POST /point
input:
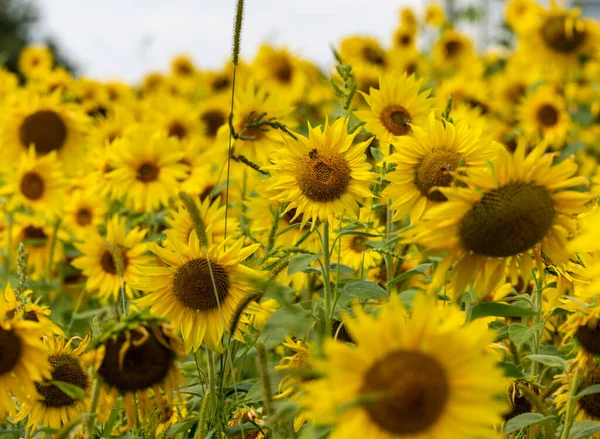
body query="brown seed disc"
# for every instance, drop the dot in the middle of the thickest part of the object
(147, 172)
(67, 369)
(589, 338)
(555, 34)
(32, 185)
(590, 404)
(396, 119)
(10, 350)
(84, 216)
(213, 120)
(45, 129)
(435, 171)
(324, 177)
(177, 129)
(108, 264)
(35, 234)
(373, 55)
(548, 115)
(193, 285)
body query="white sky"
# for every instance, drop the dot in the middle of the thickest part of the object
(124, 39)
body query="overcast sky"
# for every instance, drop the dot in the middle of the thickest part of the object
(124, 39)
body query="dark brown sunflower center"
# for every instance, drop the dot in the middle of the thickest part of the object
(67, 369)
(410, 391)
(252, 133)
(213, 120)
(147, 172)
(435, 171)
(548, 115)
(144, 365)
(108, 264)
(515, 92)
(193, 285)
(177, 129)
(206, 192)
(340, 332)
(45, 129)
(518, 405)
(373, 55)
(84, 216)
(221, 83)
(35, 234)
(590, 404)
(396, 120)
(10, 350)
(588, 337)
(508, 220)
(358, 244)
(283, 71)
(405, 40)
(32, 185)
(324, 177)
(453, 48)
(561, 38)
(184, 68)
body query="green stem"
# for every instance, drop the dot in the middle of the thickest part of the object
(326, 279)
(52, 246)
(570, 405)
(7, 261)
(212, 379)
(90, 424)
(537, 318)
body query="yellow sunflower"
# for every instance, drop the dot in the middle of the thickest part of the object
(452, 51)
(352, 251)
(396, 107)
(434, 15)
(501, 217)
(424, 377)
(173, 114)
(84, 211)
(146, 167)
(105, 130)
(428, 160)
(587, 408)
(280, 71)
(404, 39)
(213, 113)
(543, 115)
(98, 262)
(30, 310)
(323, 175)
(182, 290)
(52, 407)
(35, 61)
(363, 50)
(522, 14)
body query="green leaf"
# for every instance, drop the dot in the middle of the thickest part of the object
(588, 391)
(549, 360)
(510, 370)
(525, 420)
(376, 153)
(181, 427)
(287, 320)
(302, 263)
(363, 289)
(70, 390)
(419, 269)
(520, 333)
(582, 116)
(583, 429)
(242, 428)
(499, 310)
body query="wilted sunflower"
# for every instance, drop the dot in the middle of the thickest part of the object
(137, 359)
(35, 61)
(544, 116)
(182, 290)
(396, 107)
(323, 175)
(98, 262)
(427, 376)
(428, 160)
(52, 407)
(501, 217)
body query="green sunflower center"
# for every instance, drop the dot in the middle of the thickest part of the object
(590, 404)
(193, 285)
(396, 119)
(324, 177)
(32, 185)
(45, 129)
(213, 120)
(548, 115)
(508, 220)
(588, 337)
(435, 170)
(560, 39)
(108, 264)
(409, 390)
(177, 129)
(10, 350)
(67, 369)
(36, 235)
(144, 364)
(147, 172)
(84, 216)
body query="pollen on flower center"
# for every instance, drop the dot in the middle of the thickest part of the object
(508, 220)
(10, 350)
(323, 176)
(32, 185)
(409, 390)
(396, 119)
(556, 35)
(548, 115)
(45, 129)
(193, 284)
(147, 172)
(67, 369)
(435, 170)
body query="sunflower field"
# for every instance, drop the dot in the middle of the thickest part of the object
(402, 245)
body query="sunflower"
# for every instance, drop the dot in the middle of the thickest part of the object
(51, 406)
(24, 358)
(323, 175)
(587, 408)
(173, 114)
(31, 311)
(363, 50)
(146, 167)
(137, 359)
(544, 116)
(501, 217)
(396, 107)
(434, 15)
(522, 14)
(213, 113)
(37, 183)
(84, 211)
(280, 71)
(452, 51)
(428, 160)
(199, 167)
(98, 261)
(182, 290)
(35, 61)
(405, 39)
(105, 130)
(352, 249)
(583, 326)
(426, 377)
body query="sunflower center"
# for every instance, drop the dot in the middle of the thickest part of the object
(396, 119)
(453, 48)
(283, 71)
(590, 404)
(548, 115)
(508, 220)
(143, 365)
(193, 285)
(84, 216)
(518, 405)
(36, 234)
(410, 390)
(358, 244)
(405, 40)
(588, 337)
(435, 170)
(108, 264)
(324, 177)
(10, 350)
(67, 369)
(221, 83)
(32, 185)
(45, 129)
(147, 172)
(556, 35)
(213, 120)
(373, 55)
(177, 129)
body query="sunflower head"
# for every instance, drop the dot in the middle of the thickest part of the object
(35, 61)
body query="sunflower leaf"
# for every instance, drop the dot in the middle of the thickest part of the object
(70, 390)
(588, 391)
(526, 419)
(549, 360)
(582, 429)
(363, 289)
(499, 310)
(302, 263)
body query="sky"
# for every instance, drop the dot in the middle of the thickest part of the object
(125, 39)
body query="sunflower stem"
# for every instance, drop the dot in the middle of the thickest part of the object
(194, 212)
(90, 423)
(537, 318)
(212, 379)
(262, 363)
(571, 402)
(326, 279)
(7, 261)
(52, 247)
